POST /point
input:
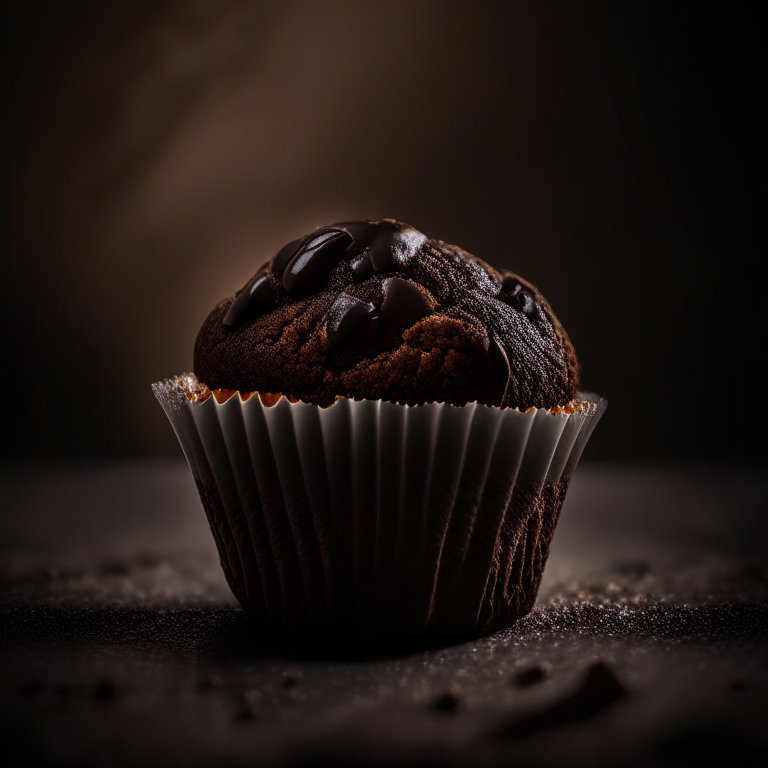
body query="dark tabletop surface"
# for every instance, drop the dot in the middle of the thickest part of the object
(122, 646)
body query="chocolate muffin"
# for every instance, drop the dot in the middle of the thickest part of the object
(382, 429)
(375, 310)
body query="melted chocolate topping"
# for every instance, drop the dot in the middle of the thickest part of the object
(376, 310)
(258, 297)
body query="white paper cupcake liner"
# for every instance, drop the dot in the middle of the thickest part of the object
(430, 519)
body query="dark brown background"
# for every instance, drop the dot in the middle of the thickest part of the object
(158, 152)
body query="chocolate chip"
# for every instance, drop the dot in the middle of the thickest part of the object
(391, 248)
(512, 292)
(310, 266)
(345, 316)
(362, 265)
(251, 302)
(527, 304)
(361, 232)
(284, 255)
(403, 300)
(510, 286)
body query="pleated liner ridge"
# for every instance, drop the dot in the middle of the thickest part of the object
(374, 516)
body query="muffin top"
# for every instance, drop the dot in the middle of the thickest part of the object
(376, 310)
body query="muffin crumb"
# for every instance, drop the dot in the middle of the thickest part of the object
(448, 700)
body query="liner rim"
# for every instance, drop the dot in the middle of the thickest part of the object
(174, 391)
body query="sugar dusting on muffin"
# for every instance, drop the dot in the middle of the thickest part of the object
(376, 310)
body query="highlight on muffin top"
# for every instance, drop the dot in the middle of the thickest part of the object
(376, 310)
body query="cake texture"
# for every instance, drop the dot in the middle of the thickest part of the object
(375, 310)
(382, 429)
